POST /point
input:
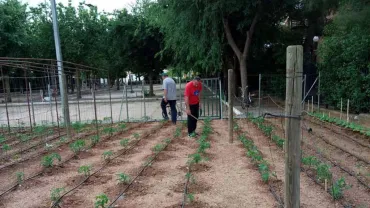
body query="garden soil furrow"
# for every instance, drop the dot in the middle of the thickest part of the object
(341, 142)
(164, 180)
(30, 165)
(37, 190)
(359, 194)
(228, 169)
(357, 137)
(312, 195)
(106, 180)
(349, 162)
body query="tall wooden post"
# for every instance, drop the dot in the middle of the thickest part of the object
(341, 108)
(348, 111)
(294, 67)
(230, 100)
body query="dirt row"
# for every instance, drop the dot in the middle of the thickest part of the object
(36, 191)
(227, 179)
(345, 164)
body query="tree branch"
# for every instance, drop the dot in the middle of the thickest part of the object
(250, 32)
(230, 38)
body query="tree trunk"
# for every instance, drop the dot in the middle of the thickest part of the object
(117, 81)
(151, 89)
(78, 85)
(242, 56)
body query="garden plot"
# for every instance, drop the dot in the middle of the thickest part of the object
(157, 165)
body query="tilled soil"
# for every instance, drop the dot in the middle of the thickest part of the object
(312, 195)
(36, 192)
(312, 145)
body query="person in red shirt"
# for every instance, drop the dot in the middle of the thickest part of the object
(192, 98)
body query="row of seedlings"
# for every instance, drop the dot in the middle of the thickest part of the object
(125, 179)
(196, 158)
(257, 159)
(57, 194)
(342, 123)
(76, 145)
(319, 168)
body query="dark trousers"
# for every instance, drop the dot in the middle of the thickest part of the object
(192, 122)
(173, 109)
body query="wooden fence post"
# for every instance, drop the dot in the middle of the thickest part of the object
(230, 100)
(293, 108)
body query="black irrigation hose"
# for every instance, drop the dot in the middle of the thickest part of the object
(106, 163)
(139, 174)
(186, 188)
(348, 137)
(42, 171)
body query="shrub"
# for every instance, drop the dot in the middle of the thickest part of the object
(48, 160)
(123, 178)
(20, 177)
(85, 169)
(55, 194)
(124, 142)
(107, 155)
(101, 201)
(94, 140)
(77, 146)
(338, 188)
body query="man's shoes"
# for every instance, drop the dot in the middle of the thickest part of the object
(193, 135)
(165, 118)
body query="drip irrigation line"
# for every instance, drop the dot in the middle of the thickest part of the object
(186, 188)
(141, 171)
(107, 162)
(344, 129)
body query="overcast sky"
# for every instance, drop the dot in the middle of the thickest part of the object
(106, 5)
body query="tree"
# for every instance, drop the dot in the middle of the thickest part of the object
(344, 56)
(197, 31)
(13, 35)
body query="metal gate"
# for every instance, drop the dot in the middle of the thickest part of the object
(211, 98)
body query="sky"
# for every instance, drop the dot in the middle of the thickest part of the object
(106, 5)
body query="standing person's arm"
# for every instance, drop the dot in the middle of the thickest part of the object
(165, 91)
(186, 98)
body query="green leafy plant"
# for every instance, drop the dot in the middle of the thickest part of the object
(101, 200)
(78, 126)
(107, 155)
(338, 187)
(310, 161)
(190, 197)
(123, 126)
(195, 158)
(124, 142)
(178, 132)
(167, 141)
(109, 130)
(48, 160)
(123, 178)
(158, 147)
(203, 146)
(77, 146)
(20, 177)
(55, 195)
(323, 172)
(6, 148)
(190, 177)
(136, 135)
(94, 140)
(264, 170)
(85, 169)
(2, 139)
(279, 141)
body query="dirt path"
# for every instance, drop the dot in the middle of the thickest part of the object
(312, 195)
(358, 194)
(230, 179)
(162, 184)
(36, 192)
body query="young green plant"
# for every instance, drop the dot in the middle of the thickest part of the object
(101, 201)
(85, 169)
